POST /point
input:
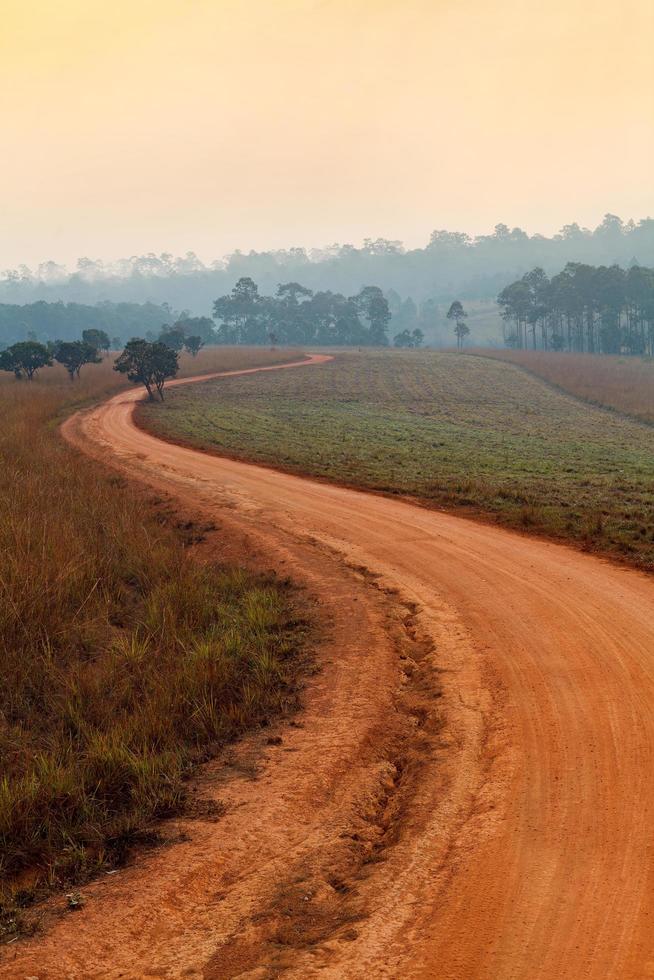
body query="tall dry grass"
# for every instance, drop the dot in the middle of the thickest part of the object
(122, 660)
(625, 384)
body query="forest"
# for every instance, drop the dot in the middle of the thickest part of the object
(450, 264)
(67, 321)
(296, 315)
(584, 308)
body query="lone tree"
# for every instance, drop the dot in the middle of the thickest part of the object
(459, 315)
(149, 364)
(97, 339)
(25, 358)
(193, 345)
(75, 354)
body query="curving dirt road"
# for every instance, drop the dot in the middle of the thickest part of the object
(480, 809)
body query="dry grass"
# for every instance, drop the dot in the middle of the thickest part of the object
(123, 660)
(625, 384)
(100, 380)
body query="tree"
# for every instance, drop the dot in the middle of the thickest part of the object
(461, 330)
(197, 326)
(75, 354)
(98, 339)
(459, 315)
(245, 315)
(173, 337)
(193, 345)
(409, 338)
(149, 364)
(25, 358)
(291, 313)
(7, 363)
(515, 304)
(372, 303)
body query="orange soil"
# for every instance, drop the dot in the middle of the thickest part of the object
(469, 792)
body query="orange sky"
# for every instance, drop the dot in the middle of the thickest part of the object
(138, 125)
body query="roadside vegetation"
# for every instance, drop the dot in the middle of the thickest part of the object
(123, 660)
(455, 431)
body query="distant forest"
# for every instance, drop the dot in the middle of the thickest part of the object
(586, 307)
(66, 321)
(604, 310)
(451, 264)
(296, 315)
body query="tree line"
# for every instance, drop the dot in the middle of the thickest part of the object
(26, 357)
(294, 315)
(150, 363)
(65, 321)
(584, 308)
(297, 315)
(450, 263)
(145, 362)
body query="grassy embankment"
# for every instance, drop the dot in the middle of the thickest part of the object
(122, 660)
(455, 431)
(625, 384)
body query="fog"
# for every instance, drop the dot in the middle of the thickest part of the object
(451, 265)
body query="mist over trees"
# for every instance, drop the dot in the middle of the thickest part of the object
(69, 321)
(324, 296)
(450, 264)
(603, 310)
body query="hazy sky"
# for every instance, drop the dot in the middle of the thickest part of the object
(152, 125)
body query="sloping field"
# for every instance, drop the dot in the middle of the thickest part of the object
(455, 431)
(625, 384)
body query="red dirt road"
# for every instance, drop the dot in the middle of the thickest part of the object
(518, 832)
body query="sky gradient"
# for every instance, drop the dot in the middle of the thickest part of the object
(168, 125)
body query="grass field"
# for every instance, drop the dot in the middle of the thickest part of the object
(123, 660)
(625, 384)
(453, 430)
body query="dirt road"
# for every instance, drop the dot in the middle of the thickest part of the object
(482, 809)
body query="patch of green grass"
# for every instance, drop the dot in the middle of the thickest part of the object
(455, 431)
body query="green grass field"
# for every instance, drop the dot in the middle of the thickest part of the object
(455, 431)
